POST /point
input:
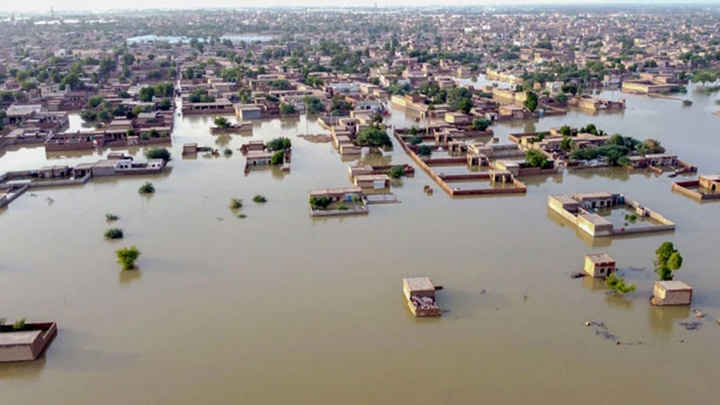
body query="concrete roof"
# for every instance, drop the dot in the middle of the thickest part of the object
(674, 285)
(600, 257)
(19, 338)
(419, 284)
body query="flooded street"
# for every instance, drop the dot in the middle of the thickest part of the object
(281, 308)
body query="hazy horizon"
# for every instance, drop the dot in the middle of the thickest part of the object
(87, 5)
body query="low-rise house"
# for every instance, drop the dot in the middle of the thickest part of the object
(579, 210)
(346, 194)
(457, 118)
(190, 148)
(258, 158)
(655, 159)
(253, 146)
(673, 292)
(419, 293)
(26, 344)
(591, 103)
(373, 181)
(599, 264)
(219, 106)
(710, 182)
(248, 111)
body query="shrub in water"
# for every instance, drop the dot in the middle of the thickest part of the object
(147, 188)
(114, 233)
(127, 257)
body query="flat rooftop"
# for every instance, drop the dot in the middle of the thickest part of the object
(600, 257)
(564, 199)
(19, 338)
(674, 285)
(419, 284)
(590, 196)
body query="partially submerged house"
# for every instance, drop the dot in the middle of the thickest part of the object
(672, 292)
(599, 264)
(584, 210)
(373, 181)
(420, 295)
(27, 343)
(706, 187)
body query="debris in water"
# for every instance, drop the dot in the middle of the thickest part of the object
(577, 274)
(697, 312)
(602, 330)
(691, 325)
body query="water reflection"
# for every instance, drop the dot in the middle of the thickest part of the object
(222, 140)
(663, 319)
(583, 236)
(594, 284)
(126, 277)
(536, 181)
(26, 370)
(621, 301)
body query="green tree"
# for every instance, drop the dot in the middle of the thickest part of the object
(279, 144)
(566, 143)
(313, 105)
(278, 158)
(373, 136)
(480, 124)
(424, 150)
(535, 158)
(667, 261)
(236, 203)
(94, 101)
(531, 101)
(158, 153)
(114, 233)
(147, 188)
(221, 122)
(287, 109)
(19, 324)
(704, 76)
(245, 96)
(396, 172)
(460, 99)
(126, 257)
(565, 130)
(321, 202)
(618, 284)
(146, 94)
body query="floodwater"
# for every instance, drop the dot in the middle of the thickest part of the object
(279, 308)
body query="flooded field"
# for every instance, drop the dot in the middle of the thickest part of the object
(279, 308)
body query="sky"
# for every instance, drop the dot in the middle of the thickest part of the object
(99, 5)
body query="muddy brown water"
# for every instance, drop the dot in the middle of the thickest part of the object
(280, 308)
